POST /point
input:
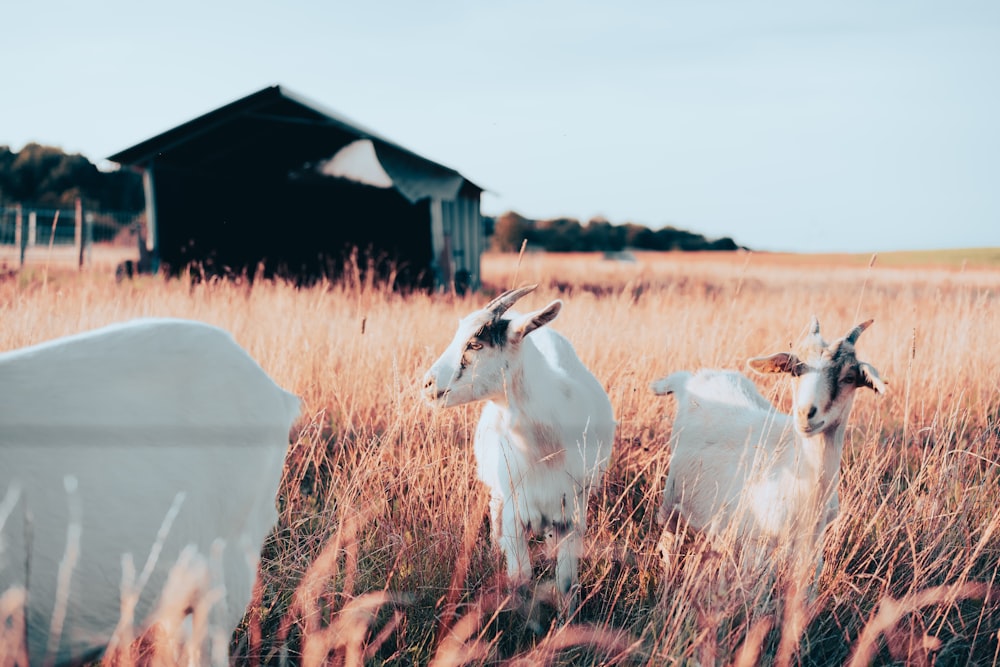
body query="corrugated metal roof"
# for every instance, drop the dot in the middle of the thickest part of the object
(273, 129)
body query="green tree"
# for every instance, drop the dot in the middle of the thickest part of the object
(7, 157)
(558, 235)
(598, 235)
(639, 237)
(46, 176)
(509, 232)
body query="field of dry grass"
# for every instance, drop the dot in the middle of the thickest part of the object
(382, 553)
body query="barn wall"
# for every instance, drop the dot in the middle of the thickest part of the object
(302, 228)
(458, 241)
(462, 216)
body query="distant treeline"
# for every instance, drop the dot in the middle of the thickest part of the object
(46, 176)
(510, 230)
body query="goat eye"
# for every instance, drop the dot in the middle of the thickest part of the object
(850, 378)
(474, 345)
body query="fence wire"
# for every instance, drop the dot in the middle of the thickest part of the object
(30, 235)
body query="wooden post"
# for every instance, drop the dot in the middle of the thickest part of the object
(440, 250)
(152, 226)
(78, 228)
(19, 233)
(32, 227)
(88, 236)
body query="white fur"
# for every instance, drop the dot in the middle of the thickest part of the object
(111, 437)
(741, 468)
(544, 437)
(722, 431)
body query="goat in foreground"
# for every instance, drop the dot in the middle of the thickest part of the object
(741, 468)
(140, 464)
(545, 434)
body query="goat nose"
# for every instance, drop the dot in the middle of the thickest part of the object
(809, 412)
(428, 381)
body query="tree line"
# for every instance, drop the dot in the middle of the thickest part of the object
(46, 177)
(510, 230)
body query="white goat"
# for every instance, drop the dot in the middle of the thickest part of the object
(545, 435)
(740, 467)
(156, 443)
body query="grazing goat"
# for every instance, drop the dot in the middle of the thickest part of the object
(545, 435)
(132, 454)
(740, 467)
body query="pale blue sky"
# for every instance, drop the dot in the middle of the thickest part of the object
(859, 125)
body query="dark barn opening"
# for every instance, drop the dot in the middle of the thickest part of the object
(274, 184)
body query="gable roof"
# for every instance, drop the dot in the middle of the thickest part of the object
(277, 130)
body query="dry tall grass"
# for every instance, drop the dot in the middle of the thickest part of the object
(382, 552)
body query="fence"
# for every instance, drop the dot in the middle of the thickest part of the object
(69, 236)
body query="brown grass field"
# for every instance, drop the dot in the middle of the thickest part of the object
(382, 552)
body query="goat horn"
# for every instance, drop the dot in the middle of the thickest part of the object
(502, 303)
(814, 326)
(852, 337)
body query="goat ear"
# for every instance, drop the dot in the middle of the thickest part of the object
(782, 362)
(869, 378)
(525, 324)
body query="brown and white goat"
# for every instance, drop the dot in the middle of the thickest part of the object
(741, 468)
(545, 434)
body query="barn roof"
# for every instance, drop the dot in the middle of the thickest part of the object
(278, 130)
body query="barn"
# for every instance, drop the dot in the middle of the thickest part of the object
(274, 183)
